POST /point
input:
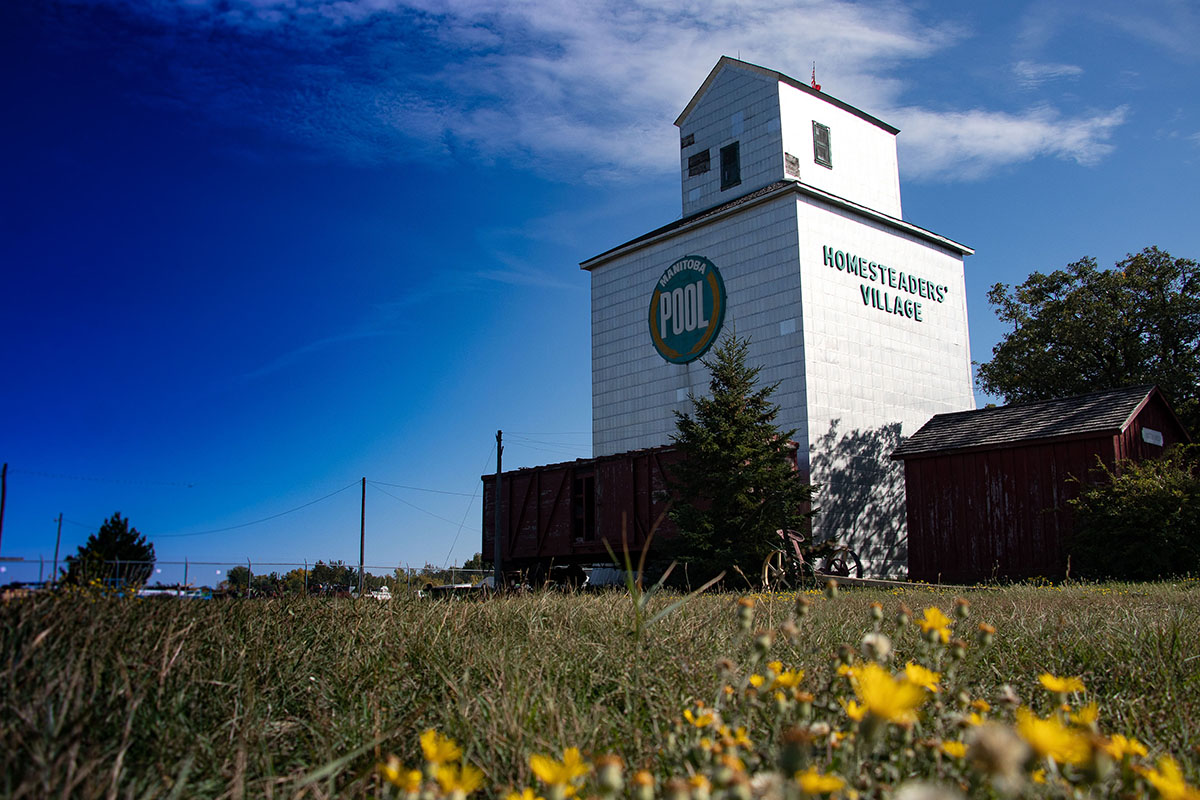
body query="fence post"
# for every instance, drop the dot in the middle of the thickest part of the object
(306, 577)
(249, 576)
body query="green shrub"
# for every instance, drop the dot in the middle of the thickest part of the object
(1141, 521)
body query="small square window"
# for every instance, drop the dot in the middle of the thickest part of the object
(698, 164)
(687, 141)
(731, 166)
(791, 165)
(822, 149)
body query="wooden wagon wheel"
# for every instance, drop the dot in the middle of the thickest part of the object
(842, 562)
(779, 572)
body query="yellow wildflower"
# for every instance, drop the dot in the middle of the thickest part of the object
(853, 710)
(813, 782)
(954, 749)
(560, 773)
(1050, 738)
(394, 773)
(700, 720)
(981, 705)
(1168, 780)
(1119, 747)
(935, 620)
(1061, 685)
(775, 666)
(788, 679)
(1039, 775)
(886, 697)
(453, 778)
(1087, 715)
(974, 719)
(734, 738)
(528, 794)
(757, 681)
(920, 676)
(846, 671)
(439, 749)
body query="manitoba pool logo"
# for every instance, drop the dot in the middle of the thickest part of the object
(686, 309)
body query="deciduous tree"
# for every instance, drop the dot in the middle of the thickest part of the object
(1084, 329)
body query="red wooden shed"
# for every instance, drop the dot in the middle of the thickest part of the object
(987, 490)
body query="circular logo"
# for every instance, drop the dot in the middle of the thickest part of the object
(686, 309)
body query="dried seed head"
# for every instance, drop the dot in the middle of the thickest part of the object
(831, 589)
(962, 608)
(876, 647)
(876, 611)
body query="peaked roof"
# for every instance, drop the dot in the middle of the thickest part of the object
(1107, 412)
(778, 76)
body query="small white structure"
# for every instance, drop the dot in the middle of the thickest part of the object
(792, 235)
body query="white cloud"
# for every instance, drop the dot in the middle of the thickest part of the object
(577, 88)
(967, 145)
(1031, 74)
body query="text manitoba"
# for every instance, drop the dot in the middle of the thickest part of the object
(680, 265)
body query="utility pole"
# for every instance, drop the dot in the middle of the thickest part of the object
(57, 540)
(3, 496)
(497, 572)
(362, 536)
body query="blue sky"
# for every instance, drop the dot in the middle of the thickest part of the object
(255, 250)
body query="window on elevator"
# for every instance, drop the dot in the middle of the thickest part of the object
(731, 166)
(822, 150)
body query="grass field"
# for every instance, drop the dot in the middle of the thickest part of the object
(264, 698)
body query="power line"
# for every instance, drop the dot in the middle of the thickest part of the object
(486, 461)
(417, 507)
(418, 488)
(257, 521)
(103, 480)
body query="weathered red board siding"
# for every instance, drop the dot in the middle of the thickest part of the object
(538, 508)
(1002, 513)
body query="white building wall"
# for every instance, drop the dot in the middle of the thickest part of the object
(865, 168)
(873, 376)
(634, 389)
(739, 106)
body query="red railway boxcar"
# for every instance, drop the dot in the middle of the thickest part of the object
(987, 490)
(564, 513)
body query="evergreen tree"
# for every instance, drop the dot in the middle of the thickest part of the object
(737, 483)
(116, 552)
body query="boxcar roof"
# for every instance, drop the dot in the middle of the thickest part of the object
(1107, 412)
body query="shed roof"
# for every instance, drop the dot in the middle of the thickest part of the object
(1004, 426)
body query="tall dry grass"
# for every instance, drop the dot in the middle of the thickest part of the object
(302, 697)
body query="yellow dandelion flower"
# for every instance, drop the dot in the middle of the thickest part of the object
(1061, 685)
(920, 676)
(981, 705)
(395, 773)
(464, 779)
(757, 681)
(1087, 715)
(974, 719)
(954, 749)
(888, 698)
(699, 782)
(935, 620)
(1168, 780)
(1118, 747)
(789, 679)
(853, 710)
(1052, 739)
(775, 666)
(527, 794)
(813, 782)
(846, 671)
(560, 773)
(700, 720)
(1039, 775)
(733, 762)
(439, 749)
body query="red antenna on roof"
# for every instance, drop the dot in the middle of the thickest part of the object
(815, 85)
